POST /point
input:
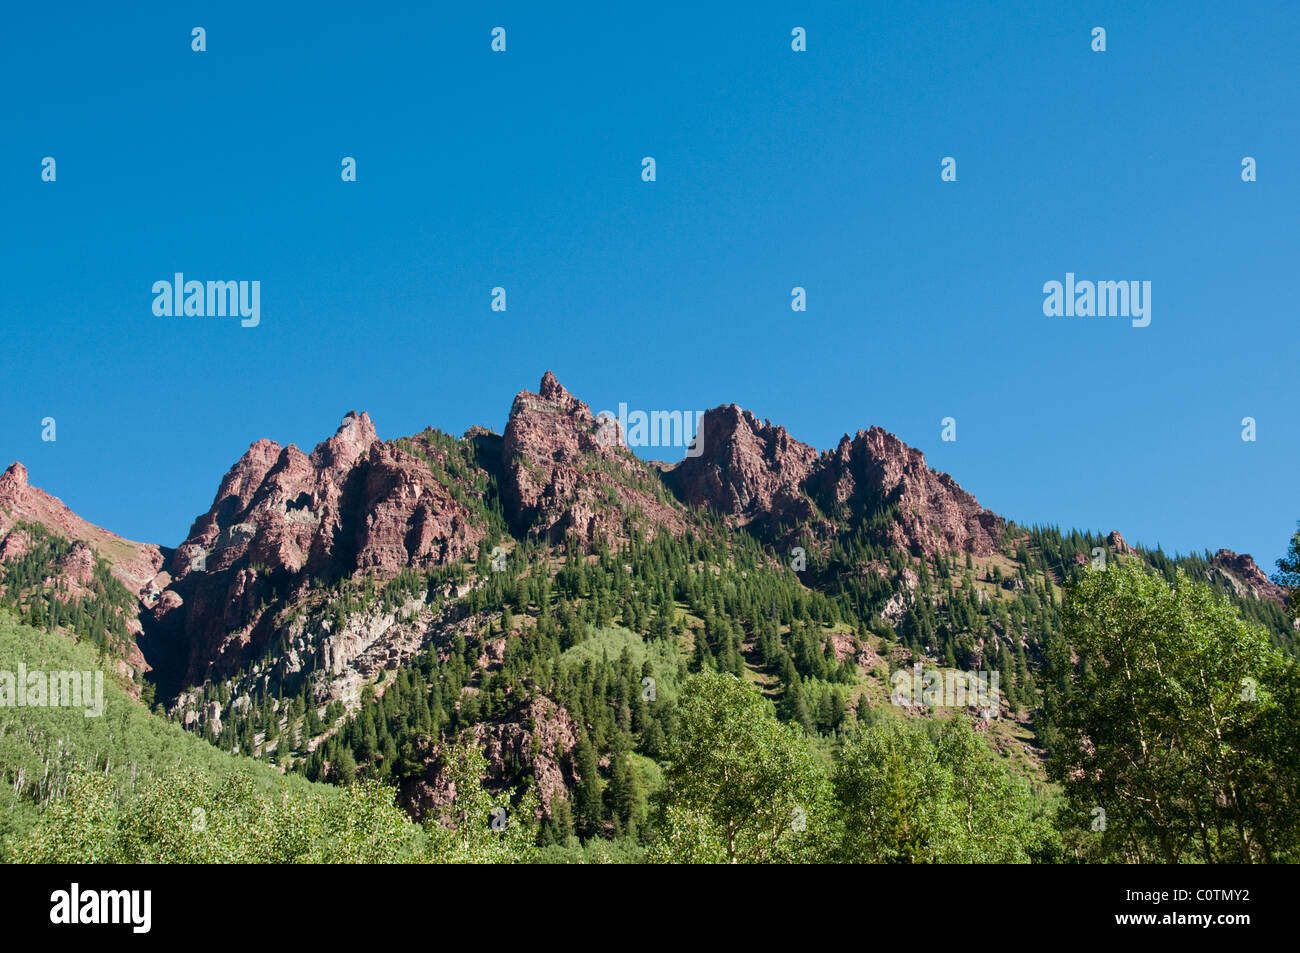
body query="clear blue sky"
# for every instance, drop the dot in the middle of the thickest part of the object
(775, 169)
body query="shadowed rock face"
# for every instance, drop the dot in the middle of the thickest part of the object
(282, 518)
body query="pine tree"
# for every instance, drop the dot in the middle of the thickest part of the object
(588, 808)
(1288, 574)
(345, 766)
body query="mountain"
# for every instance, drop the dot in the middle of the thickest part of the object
(560, 479)
(283, 521)
(61, 568)
(758, 476)
(136, 564)
(345, 612)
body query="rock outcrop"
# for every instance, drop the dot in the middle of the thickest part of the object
(282, 520)
(1240, 572)
(535, 740)
(750, 471)
(877, 474)
(566, 477)
(756, 474)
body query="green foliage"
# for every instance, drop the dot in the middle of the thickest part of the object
(42, 749)
(192, 818)
(624, 850)
(1178, 720)
(478, 827)
(740, 787)
(98, 614)
(1288, 574)
(113, 789)
(189, 817)
(909, 794)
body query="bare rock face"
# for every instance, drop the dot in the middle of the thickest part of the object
(282, 518)
(79, 564)
(1115, 543)
(532, 736)
(528, 740)
(341, 657)
(15, 545)
(278, 507)
(1245, 577)
(756, 474)
(932, 514)
(408, 518)
(749, 471)
(562, 479)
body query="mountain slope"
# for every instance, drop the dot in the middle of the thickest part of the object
(56, 565)
(345, 612)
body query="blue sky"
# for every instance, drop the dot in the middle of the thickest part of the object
(774, 169)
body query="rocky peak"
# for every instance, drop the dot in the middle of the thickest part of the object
(354, 438)
(746, 469)
(890, 462)
(551, 389)
(876, 471)
(1116, 544)
(135, 564)
(12, 484)
(564, 476)
(282, 519)
(1244, 576)
(13, 480)
(551, 397)
(242, 480)
(757, 474)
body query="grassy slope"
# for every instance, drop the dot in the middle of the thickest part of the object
(41, 747)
